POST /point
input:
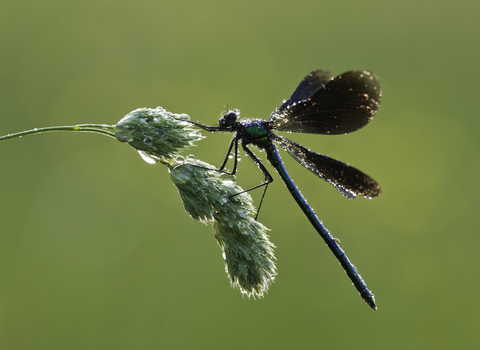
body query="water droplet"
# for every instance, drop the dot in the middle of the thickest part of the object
(147, 158)
(242, 213)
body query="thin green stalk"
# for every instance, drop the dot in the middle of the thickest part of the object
(108, 130)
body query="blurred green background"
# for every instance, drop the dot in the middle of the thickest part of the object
(96, 251)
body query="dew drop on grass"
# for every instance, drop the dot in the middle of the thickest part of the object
(147, 158)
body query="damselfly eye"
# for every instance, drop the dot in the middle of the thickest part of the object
(228, 119)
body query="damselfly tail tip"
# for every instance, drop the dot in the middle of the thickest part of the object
(371, 302)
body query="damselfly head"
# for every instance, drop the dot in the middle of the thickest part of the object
(229, 118)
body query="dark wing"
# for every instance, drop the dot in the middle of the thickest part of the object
(343, 104)
(309, 85)
(346, 179)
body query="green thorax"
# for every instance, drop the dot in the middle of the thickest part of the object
(257, 132)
